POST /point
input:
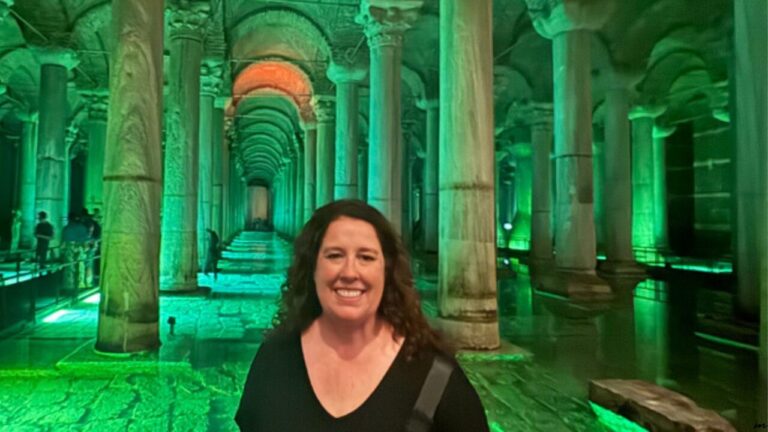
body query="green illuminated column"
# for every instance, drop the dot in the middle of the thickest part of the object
(571, 29)
(217, 140)
(128, 312)
(643, 169)
(384, 28)
(362, 169)
(347, 79)
(541, 185)
(598, 183)
(210, 84)
(521, 225)
(429, 222)
(467, 260)
(660, 226)
(751, 185)
(227, 197)
(28, 179)
(620, 259)
(97, 137)
(324, 111)
(73, 147)
(178, 260)
(310, 165)
(298, 214)
(52, 160)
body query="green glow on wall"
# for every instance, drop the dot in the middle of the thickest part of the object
(495, 427)
(614, 421)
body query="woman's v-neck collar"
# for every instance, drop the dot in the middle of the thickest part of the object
(387, 376)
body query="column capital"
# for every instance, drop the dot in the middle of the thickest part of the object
(426, 104)
(28, 116)
(662, 131)
(50, 55)
(5, 8)
(98, 104)
(188, 19)
(552, 17)
(211, 78)
(541, 116)
(307, 125)
(325, 108)
(385, 21)
(346, 73)
(646, 111)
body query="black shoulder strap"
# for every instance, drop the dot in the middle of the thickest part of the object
(431, 393)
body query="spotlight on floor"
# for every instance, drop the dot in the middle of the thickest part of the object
(94, 299)
(56, 315)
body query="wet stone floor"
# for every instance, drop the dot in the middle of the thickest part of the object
(50, 379)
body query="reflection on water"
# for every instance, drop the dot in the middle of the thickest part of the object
(649, 331)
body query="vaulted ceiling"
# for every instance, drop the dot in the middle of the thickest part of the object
(275, 54)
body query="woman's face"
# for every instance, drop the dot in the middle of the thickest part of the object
(349, 274)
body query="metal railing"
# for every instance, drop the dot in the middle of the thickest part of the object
(32, 290)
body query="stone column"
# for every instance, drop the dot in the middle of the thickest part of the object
(541, 186)
(362, 170)
(467, 261)
(310, 165)
(429, 223)
(298, 216)
(521, 225)
(324, 110)
(347, 79)
(210, 85)
(28, 179)
(178, 260)
(97, 137)
(52, 160)
(619, 257)
(128, 312)
(751, 185)
(217, 141)
(570, 29)
(643, 168)
(384, 28)
(660, 228)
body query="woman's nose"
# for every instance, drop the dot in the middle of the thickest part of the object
(349, 269)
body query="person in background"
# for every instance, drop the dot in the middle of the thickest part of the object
(351, 349)
(212, 255)
(44, 235)
(15, 230)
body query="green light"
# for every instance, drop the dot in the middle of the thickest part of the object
(94, 299)
(614, 421)
(717, 268)
(495, 427)
(56, 315)
(726, 342)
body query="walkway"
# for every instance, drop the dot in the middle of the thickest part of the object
(51, 381)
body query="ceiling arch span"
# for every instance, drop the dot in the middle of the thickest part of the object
(282, 32)
(283, 78)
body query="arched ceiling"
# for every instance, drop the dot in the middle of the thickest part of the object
(276, 53)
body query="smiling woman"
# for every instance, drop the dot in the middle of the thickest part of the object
(351, 349)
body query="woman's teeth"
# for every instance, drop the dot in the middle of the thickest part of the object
(349, 293)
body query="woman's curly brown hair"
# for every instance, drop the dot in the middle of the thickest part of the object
(299, 305)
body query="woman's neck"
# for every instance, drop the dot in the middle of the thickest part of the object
(348, 340)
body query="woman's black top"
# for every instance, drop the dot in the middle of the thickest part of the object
(279, 397)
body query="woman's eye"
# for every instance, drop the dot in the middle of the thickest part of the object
(333, 256)
(369, 258)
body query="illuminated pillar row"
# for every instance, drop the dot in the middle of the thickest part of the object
(324, 170)
(179, 257)
(52, 160)
(298, 210)
(617, 198)
(97, 137)
(521, 224)
(210, 82)
(362, 170)
(310, 166)
(28, 179)
(128, 312)
(467, 261)
(541, 186)
(384, 30)
(643, 168)
(429, 220)
(226, 190)
(347, 79)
